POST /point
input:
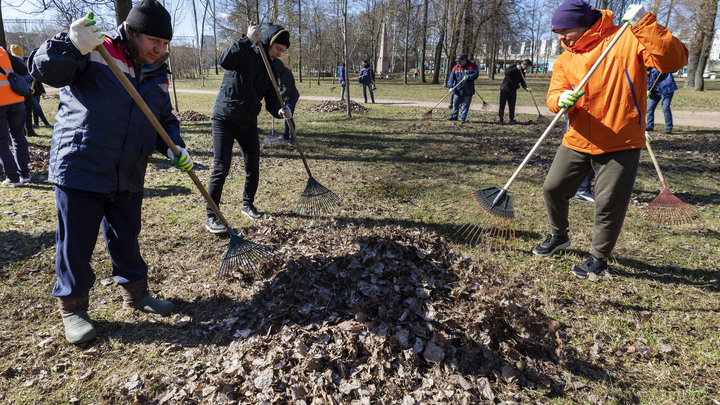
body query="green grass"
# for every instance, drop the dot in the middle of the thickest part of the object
(388, 166)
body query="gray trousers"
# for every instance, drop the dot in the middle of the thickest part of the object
(615, 176)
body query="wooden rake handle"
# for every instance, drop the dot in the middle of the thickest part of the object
(563, 110)
(158, 127)
(446, 94)
(654, 160)
(282, 104)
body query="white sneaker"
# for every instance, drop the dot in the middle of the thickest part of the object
(9, 183)
(27, 179)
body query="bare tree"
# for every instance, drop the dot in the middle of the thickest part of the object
(700, 44)
(345, 57)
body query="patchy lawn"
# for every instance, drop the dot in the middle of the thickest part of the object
(380, 301)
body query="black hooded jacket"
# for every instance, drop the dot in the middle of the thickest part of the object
(513, 79)
(246, 81)
(288, 90)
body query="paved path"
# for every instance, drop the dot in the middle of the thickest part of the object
(705, 119)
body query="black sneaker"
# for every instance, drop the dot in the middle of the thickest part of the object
(591, 265)
(551, 244)
(501, 122)
(251, 212)
(452, 119)
(512, 122)
(214, 225)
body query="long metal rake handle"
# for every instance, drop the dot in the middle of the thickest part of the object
(522, 77)
(654, 160)
(559, 114)
(158, 127)
(282, 104)
(446, 94)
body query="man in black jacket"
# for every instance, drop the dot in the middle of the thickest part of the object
(234, 117)
(514, 78)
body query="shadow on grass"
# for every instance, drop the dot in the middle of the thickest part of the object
(666, 274)
(18, 246)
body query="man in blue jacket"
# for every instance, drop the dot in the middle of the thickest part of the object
(367, 79)
(661, 87)
(100, 148)
(463, 76)
(342, 75)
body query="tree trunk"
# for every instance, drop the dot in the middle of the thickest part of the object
(217, 72)
(345, 58)
(407, 41)
(3, 41)
(424, 41)
(468, 27)
(700, 45)
(122, 9)
(300, 40)
(439, 46)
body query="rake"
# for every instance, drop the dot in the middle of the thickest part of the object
(522, 76)
(428, 114)
(666, 208)
(485, 105)
(315, 199)
(242, 253)
(496, 219)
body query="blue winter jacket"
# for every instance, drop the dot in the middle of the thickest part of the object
(665, 84)
(101, 140)
(367, 75)
(341, 74)
(466, 88)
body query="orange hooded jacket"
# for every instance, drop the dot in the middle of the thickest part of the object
(611, 114)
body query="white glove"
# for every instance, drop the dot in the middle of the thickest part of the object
(528, 89)
(568, 98)
(84, 34)
(253, 33)
(285, 112)
(633, 14)
(450, 90)
(183, 162)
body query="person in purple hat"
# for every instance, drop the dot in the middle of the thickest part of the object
(605, 128)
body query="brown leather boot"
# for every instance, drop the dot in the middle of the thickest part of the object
(135, 295)
(78, 327)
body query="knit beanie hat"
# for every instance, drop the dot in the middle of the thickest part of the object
(282, 38)
(15, 50)
(574, 14)
(150, 18)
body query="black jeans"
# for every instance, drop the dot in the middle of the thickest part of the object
(224, 134)
(509, 97)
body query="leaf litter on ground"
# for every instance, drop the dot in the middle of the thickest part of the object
(393, 312)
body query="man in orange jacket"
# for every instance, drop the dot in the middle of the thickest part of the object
(605, 121)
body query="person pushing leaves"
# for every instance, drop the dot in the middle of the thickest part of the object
(100, 148)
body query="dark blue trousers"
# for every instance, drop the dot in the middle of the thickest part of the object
(79, 216)
(12, 120)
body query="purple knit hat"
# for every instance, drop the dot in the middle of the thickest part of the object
(574, 14)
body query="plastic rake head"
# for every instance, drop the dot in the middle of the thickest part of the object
(244, 255)
(316, 199)
(669, 210)
(493, 225)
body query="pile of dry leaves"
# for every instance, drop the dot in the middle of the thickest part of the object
(394, 314)
(191, 116)
(39, 158)
(337, 106)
